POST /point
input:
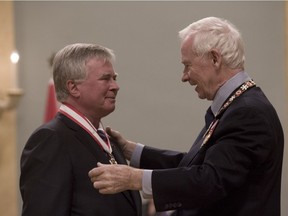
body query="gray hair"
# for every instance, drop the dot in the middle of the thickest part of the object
(216, 33)
(70, 64)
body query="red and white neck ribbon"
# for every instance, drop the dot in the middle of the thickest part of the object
(84, 122)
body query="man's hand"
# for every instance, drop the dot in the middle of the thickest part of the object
(111, 179)
(126, 146)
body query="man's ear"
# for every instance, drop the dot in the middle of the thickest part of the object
(72, 88)
(215, 57)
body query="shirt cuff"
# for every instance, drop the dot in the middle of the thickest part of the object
(136, 155)
(147, 174)
(146, 184)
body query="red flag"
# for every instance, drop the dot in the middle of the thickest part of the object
(51, 102)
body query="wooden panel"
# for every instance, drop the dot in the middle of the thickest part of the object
(8, 153)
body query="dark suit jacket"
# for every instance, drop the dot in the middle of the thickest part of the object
(237, 173)
(54, 174)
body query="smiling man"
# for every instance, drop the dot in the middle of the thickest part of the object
(234, 166)
(59, 154)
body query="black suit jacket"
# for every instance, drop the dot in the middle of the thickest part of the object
(54, 174)
(237, 173)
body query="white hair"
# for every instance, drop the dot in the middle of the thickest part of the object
(216, 33)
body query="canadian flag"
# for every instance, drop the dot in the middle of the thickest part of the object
(52, 104)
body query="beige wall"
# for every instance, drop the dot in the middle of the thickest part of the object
(144, 37)
(285, 163)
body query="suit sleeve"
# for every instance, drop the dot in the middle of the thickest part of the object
(160, 159)
(241, 142)
(46, 179)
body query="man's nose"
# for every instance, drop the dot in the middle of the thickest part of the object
(115, 85)
(185, 77)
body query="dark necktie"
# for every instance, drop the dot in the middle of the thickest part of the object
(111, 156)
(101, 133)
(209, 117)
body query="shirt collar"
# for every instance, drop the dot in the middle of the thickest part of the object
(225, 90)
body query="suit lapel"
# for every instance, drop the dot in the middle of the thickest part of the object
(188, 158)
(85, 139)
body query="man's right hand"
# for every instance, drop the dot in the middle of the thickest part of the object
(126, 146)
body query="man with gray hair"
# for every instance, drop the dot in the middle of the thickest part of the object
(59, 154)
(234, 166)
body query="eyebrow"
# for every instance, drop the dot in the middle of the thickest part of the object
(109, 75)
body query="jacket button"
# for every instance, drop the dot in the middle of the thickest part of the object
(179, 205)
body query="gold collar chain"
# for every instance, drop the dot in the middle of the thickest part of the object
(244, 87)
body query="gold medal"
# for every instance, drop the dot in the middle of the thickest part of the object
(112, 159)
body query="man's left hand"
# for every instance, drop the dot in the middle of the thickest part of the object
(111, 179)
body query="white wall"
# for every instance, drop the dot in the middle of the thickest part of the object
(153, 105)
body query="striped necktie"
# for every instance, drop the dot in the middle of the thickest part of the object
(101, 133)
